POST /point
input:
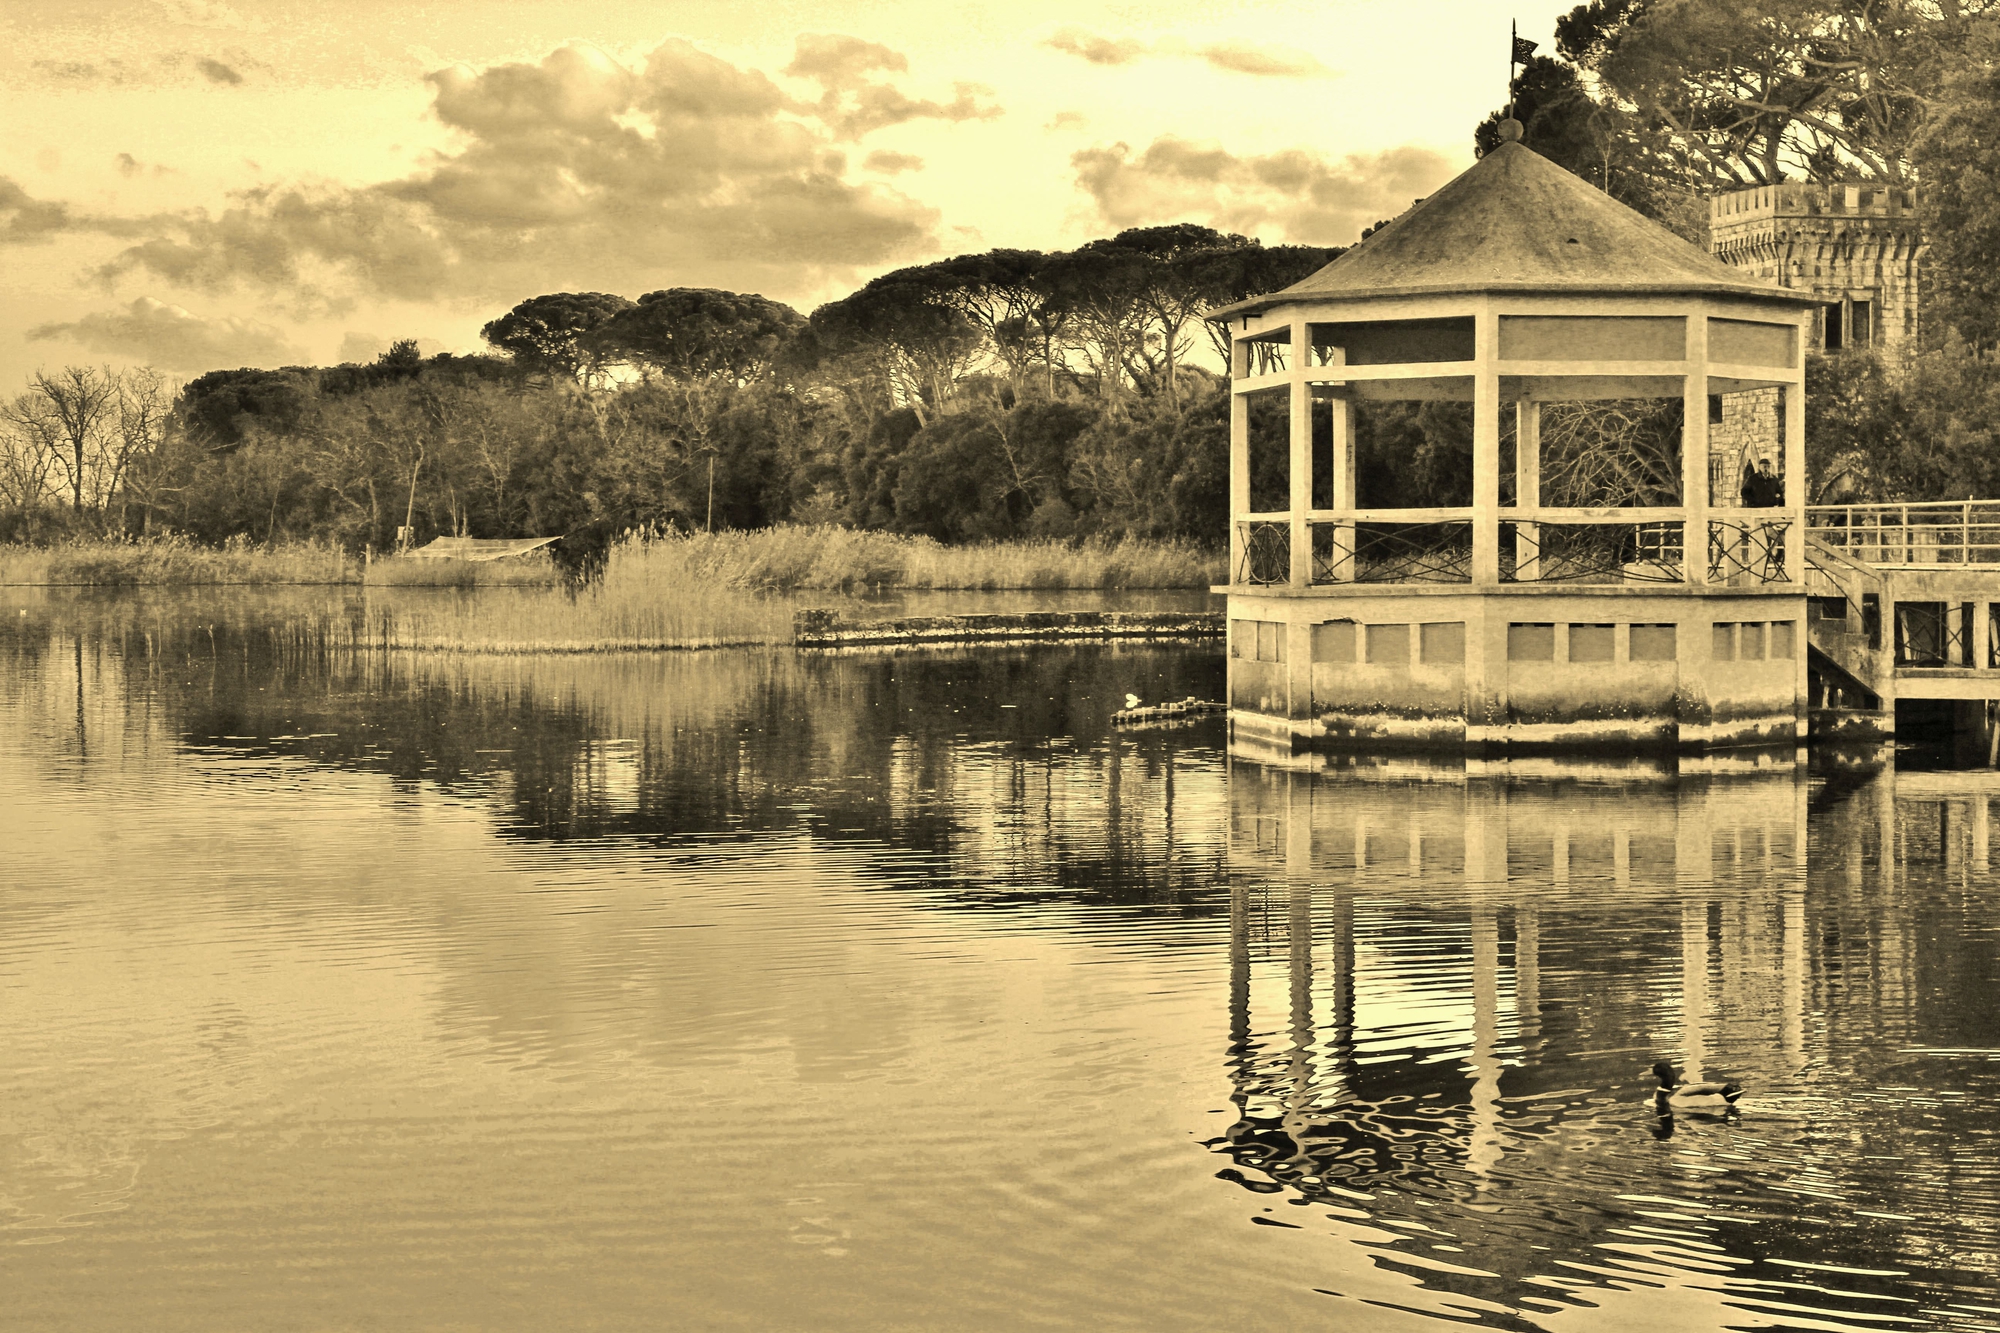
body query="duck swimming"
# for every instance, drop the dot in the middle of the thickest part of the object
(1673, 1095)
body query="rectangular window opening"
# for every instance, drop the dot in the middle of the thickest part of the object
(1724, 649)
(1784, 640)
(1921, 634)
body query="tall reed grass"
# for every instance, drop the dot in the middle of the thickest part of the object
(787, 558)
(700, 591)
(783, 558)
(533, 570)
(637, 603)
(174, 560)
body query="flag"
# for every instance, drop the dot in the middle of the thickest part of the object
(1524, 50)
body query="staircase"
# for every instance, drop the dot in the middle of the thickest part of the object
(1850, 663)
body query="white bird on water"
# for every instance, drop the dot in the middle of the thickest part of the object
(1131, 701)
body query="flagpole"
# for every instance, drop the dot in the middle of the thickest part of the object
(1513, 45)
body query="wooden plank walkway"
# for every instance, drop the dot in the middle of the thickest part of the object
(820, 627)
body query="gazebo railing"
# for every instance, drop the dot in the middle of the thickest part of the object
(1595, 552)
(1745, 550)
(1266, 552)
(1945, 532)
(1573, 546)
(1430, 552)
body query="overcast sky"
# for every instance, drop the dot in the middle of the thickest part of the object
(197, 184)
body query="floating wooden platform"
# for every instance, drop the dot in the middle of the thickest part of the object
(821, 627)
(1186, 710)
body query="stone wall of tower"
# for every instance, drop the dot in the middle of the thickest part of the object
(1846, 244)
(1855, 247)
(1751, 426)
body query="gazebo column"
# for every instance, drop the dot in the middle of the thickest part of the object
(1795, 483)
(1486, 448)
(1239, 455)
(1694, 454)
(1300, 469)
(1345, 502)
(1527, 488)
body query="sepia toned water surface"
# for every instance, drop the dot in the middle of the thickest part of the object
(875, 990)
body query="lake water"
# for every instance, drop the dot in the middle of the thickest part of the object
(756, 990)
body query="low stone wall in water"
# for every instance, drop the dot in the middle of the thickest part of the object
(822, 627)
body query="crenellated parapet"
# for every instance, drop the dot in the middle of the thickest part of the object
(1855, 246)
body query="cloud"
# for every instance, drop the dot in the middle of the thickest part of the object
(216, 72)
(1232, 57)
(853, 105)
(1262, 62)
(207, 14)
(130, 166)
(889, 163)
(84, 71)
(172, 338)
(1305, 197)
(838, 61)
(226, 70)
(1066, 120)
(25, 219)
(1097, 50)
(578, 172)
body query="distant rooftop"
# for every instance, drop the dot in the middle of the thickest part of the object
(479, 548)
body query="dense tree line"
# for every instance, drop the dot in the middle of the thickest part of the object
(989, 395)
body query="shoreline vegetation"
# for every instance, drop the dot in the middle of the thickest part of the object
(653, 593)
(785, 558)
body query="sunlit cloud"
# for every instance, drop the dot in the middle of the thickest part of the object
(890, 163)
(173, 338)
(216, 72)
(581, 172)
(1297, 196)
(1233, 57)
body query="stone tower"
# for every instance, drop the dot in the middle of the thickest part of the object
(1854, 247)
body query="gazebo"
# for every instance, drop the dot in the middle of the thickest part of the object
(1526, 611)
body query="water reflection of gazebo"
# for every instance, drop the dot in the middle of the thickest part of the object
(1724, 857)
(1359, 619)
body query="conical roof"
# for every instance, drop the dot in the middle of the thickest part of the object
(1516, 222)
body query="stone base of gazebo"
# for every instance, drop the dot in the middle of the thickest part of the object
(1517, 669)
